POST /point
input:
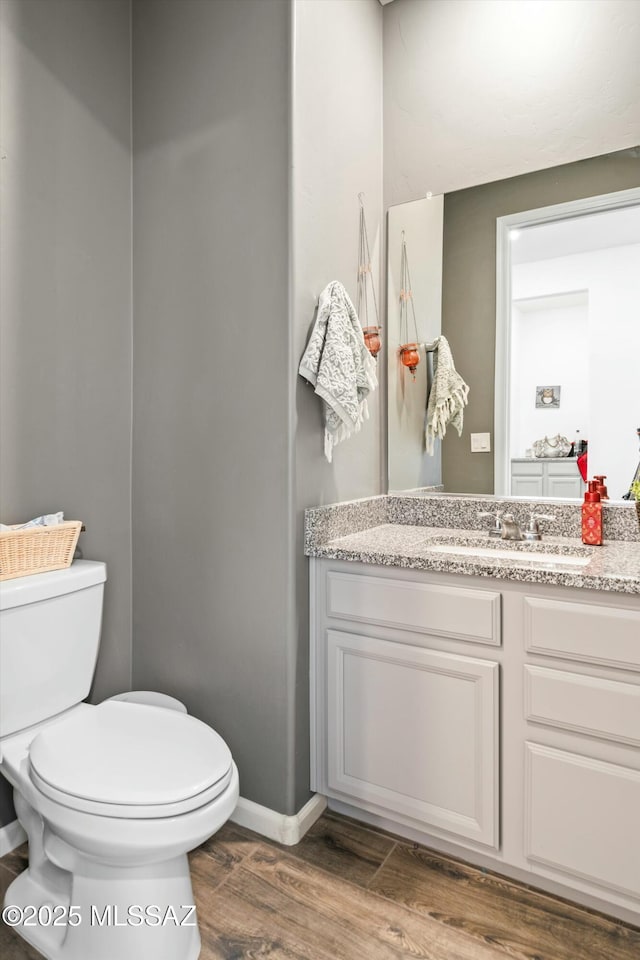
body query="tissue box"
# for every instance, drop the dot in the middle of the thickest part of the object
(37, 549)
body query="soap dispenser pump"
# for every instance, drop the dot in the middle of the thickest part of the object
(592, 516)
(602, 490)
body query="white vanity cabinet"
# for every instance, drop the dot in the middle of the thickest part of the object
(581, 751)
(496, 720)
(555, 477)
(406, 698)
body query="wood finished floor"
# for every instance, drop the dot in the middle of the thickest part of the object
(348, 892)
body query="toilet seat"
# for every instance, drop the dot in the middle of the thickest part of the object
(130, 760)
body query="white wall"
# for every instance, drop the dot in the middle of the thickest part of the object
(612, 281)
(549, 347)
(479, 90)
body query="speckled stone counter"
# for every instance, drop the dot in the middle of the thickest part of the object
(403, 532)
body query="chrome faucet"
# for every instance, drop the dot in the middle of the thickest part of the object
(510, 529)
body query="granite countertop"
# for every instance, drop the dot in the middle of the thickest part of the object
(615, 566)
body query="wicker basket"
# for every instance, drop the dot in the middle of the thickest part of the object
(37, 549)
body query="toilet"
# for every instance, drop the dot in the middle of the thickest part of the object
(112, 797)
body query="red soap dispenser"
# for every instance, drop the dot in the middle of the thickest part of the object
(592, 516)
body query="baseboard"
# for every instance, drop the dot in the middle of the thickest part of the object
(11, 836)
(268, 823)
(277, 826)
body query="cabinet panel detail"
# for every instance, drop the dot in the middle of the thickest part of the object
(415, 732)
(582, 631)
(465, 614)
(581, 817)
(575, 701)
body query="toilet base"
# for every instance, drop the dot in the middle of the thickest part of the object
(140, 918)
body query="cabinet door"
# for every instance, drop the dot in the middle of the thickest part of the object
(526, 486)
(414, 732)
(559, 487)
(581, 817)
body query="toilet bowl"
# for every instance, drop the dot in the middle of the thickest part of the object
(112, 798)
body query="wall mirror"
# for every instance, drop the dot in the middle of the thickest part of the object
(539, 288)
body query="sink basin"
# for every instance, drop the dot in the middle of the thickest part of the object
(516, 550)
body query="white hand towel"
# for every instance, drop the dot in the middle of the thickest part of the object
(339, 366)
(447, 398)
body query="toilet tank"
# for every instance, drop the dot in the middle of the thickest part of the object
(49, 638)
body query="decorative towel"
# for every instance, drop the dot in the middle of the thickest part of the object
(339, 366)
(582, 466)
(448, 395)
(48, 520)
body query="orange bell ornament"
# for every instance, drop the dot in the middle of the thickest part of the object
(410, 356)
(372, 340)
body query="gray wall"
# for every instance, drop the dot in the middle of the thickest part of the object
(227, 440)
(212, 469)
(337, 126)
(337, 153)
(65, 374)
(469, 286)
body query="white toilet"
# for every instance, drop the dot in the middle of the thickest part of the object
(112, 796)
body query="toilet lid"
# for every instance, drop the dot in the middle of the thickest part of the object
(132, 756)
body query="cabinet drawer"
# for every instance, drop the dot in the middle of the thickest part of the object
(529, 468)
(583, 631)
(408, 605)
(591, 705)
(582, 817)
(563, 468)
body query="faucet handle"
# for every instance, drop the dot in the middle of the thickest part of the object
(496, 529)
(533, 530)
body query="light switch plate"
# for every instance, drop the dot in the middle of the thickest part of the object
(480, 443)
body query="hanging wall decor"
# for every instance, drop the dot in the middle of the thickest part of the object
(371, 332)
(409, 351)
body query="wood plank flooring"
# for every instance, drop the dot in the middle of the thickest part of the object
(349, 892)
